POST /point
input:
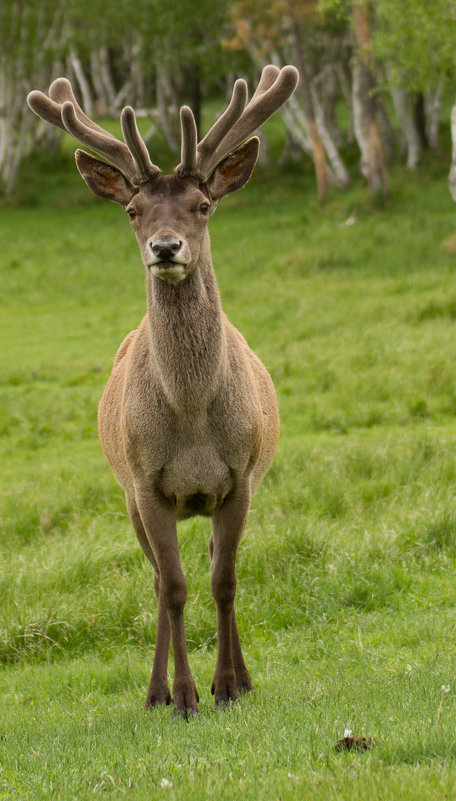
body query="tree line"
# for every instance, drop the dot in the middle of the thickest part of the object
(373, 73)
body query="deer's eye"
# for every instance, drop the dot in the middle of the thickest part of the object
(204, 208)
(131, 213)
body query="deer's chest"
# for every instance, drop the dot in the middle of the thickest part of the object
(192, 457)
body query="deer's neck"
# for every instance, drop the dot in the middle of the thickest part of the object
(188, 338)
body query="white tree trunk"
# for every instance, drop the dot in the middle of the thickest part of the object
(358, 121)
(105, 75)
(388, 134)
(19, 128)
(263, 157)
(298, 132)
(299, 129)
(136, 77)
(345, 88)
(297, 124)
(102, 101)
(402, 107)
(452, 175)
(338, 167)
(164, 100)
(4, 127)
(19, 151)
(433, 106)
(83, 83)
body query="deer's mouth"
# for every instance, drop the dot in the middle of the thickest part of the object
(172, 271)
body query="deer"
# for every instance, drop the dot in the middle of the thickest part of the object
(188, 421)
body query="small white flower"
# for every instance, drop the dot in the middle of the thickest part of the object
(166, 784)
(445, 688)
(348, 733)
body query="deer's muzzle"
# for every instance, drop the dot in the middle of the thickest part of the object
(165, 250)
(167, 256)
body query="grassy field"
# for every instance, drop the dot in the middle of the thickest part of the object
(346, 574)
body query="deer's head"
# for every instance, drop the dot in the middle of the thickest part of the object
(169, 213)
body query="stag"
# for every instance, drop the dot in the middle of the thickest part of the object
(188, 420)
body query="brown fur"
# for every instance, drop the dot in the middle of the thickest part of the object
(188, 420)
(189, 424)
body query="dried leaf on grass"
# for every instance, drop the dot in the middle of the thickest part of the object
(354, 743)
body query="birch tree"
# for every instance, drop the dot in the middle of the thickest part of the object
(416, 38)
(290, 31)
(371, 147)
(113, 57)
(28, 32)
(166, 54)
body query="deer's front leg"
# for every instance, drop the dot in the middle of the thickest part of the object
(160, 527)
(227, 527)
(158, 690)
(243, 680)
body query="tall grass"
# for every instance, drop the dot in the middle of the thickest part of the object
(346, 591)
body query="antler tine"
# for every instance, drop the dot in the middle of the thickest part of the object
(188, 163)
(223, 125)
(102, 143)
(61, 90)
(274, 88)
(45, 108)
(136, 145)
(62, 109)
(269, 74)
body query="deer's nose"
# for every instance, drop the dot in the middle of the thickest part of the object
(165, 250)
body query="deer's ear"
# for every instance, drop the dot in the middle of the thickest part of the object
(104, 180)
(235, 170)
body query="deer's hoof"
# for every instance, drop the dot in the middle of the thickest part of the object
(156, 696)
(185, 700)
(244, 686)
(225, 691)
(185, 714)
(243, 681)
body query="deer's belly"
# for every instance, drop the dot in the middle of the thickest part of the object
(196, 482)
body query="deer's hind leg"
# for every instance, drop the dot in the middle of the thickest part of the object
(158, 690)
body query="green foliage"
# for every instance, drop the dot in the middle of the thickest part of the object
(36, 33)
(416, 38)
(27, 33)
(346, 590)
(187, 33)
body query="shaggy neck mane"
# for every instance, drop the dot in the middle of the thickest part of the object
(187, 335)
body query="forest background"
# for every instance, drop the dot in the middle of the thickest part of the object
(337, 262)
(371, 73)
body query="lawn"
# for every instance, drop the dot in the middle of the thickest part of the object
(346, 573)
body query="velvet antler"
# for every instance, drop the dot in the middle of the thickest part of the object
(62, 109)
(237, 122)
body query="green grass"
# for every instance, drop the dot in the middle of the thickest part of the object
(346, 590)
